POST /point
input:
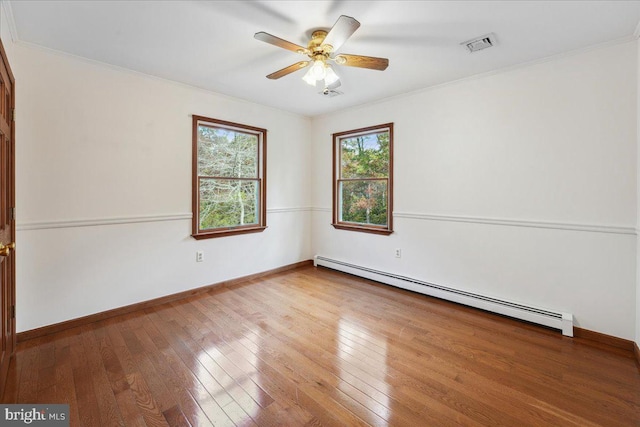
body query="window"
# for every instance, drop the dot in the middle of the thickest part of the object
(363, 179)
(229, 162)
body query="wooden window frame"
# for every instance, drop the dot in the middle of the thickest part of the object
(261, 178)
(337, 178)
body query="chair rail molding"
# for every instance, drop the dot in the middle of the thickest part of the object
(93, 222)
(594, 228)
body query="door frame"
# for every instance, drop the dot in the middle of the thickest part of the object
(10, 313)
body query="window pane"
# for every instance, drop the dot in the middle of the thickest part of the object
(365, 156)
(227, 153)
(364, 202)
(228, 203)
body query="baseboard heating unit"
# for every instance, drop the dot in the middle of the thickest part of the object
(550, 318)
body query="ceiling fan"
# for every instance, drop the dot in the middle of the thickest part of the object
(321, 49)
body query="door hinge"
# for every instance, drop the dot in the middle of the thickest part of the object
(13, 311)
(12, 214)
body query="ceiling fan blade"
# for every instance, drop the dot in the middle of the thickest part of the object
(334, 85)
(277, 41)
(288, 70)
(362, 61)
(344, 27)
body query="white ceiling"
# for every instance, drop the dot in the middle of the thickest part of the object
(210, 44)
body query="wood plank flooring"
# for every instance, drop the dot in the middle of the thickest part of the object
(313, 347)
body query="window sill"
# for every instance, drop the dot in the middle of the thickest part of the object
(363, 229)
(232, 231)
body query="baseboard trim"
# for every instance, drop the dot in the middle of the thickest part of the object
(605, 339)
(92, 318)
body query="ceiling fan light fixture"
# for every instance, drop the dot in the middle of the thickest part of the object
(319, 69)
(309, 77)
(330, 76)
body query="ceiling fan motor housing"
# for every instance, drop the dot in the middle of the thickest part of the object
(317, 50)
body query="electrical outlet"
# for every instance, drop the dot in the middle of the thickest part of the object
(199, 256)
(398, 253)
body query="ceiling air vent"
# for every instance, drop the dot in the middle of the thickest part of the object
(480, 43)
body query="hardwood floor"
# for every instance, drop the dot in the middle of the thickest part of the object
(315, 347)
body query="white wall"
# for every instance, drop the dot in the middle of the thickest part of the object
(552, 142)
(637, 336)
(98, 145)
(5, 33)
